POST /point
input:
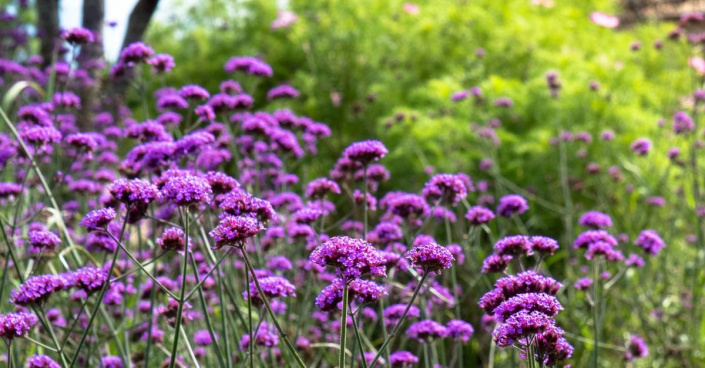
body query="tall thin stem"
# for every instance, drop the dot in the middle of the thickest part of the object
(454, 280)
(184, 271)
(343, 327)
(282, 334)
(392, 335)
(359, 340)
(595, 311)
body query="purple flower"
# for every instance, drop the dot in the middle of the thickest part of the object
(78, 36)
(171, 101)
(478, 215)
(40, 136)
(543, 245)
(266, 336)
(90, 279)
(528, 302)
(42, 240)
(365, 151)
(319, 188)
(520, 325)
(605, 249)
(527, 282)
(249, 65)
(173, 238)
(641, 146)
(135, 52)
(186, 190)
(592, 236)
(408, 206)
(36, 290)
(503, 102)
(636, 348)
(66, 100)
(135, 191)
(98, 219)
(583, 283)
(512, 204)
(162, 63)
(634, 261)
(650, 241)
(682, 123)
(446, 187)
(241, 203)
(16, 325)
(8, 190)
(283, 91)
(402, 359)
(426, 330)
(460, 95)
(516, 245)
(430, 257)
(595, 220)
(496, 263)
(221, 183)
(82, 141)
(192, 143)
(458, 329)
(393, 313)
(203, 338)
(352, 258)
(194, 92)
(235, 230)
(111, 361)
(41, 361)
(273, 287)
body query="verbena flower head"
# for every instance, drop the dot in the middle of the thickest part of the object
(135, 53)
(98, 219)
(283, 91)
(583, 283)
(586, 238)
(135, 191)
(16, 325)
(511, 205)
(682, 123)
(496, 263)
(543, 245)
(516, 245)
(36, 290)
(636, 348)
(448, 188)
(641, 146)
(527, 282)
(650, 241)
(9, 190)
(521, 325)
(426, 330)
(365, 151)
(350, 257)
(605, 249)
(459, 329)
(595, 220)
(186, 190)
(235, 231)
(42, 240)
(203, 338)
(430, 257)
(162, 63)
(173, 238)
(90, 279)
(78, 36)
(41, 361)
(478, 215)
(273, 287)
(319, 188)
(403, 359)
(540, 302)
(634, 261)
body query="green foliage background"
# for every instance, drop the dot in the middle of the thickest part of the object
(395, 73)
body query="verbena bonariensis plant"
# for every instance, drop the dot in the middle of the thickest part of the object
(192, 237)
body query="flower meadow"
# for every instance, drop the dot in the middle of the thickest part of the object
(184, 226)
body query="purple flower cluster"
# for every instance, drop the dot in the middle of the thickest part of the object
(430, 257)
(512, 205)
(352, 258)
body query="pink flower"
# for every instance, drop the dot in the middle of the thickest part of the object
(604, 20)
(284, 19)
(698, 64)
(411, 8)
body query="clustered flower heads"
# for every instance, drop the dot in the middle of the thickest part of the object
(209, 169)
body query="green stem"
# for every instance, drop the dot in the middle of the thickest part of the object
(427, 354)
(209, 325)
(180, 309)
(392, 335)
(343, 327)
(282, 334)
(251, 346)
(359, 340)
(595, 311)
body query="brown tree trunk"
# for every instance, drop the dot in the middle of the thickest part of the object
(47, 28)
(139, 20)
(93, 18)
(136, 26)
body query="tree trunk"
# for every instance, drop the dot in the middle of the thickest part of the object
(47, 28)
(93, 18)
(136, 27)
(139, 20)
